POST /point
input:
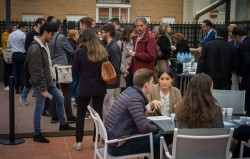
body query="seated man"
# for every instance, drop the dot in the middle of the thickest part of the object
(126, 118)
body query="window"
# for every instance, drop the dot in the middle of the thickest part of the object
(31, 17)
(74, 17)
(169, 20)
(221, 8)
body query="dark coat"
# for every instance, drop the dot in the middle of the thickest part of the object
(165, 46)
(127, 115)
(181, 47)
(90, 82)
(217, 60)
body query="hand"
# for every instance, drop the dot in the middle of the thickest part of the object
(173, 48)
(126, 73)
(199, 49)
(127, 67)
(239, 79)
(45, 94)
(131, 53)
(156, 104)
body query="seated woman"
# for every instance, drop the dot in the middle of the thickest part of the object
(164, 97)
(199, 109)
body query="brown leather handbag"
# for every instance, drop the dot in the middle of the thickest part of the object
(108, 73)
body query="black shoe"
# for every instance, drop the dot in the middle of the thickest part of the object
(40, 138)
(46, 113)
(66, 127)
(54, 120)
(72, 119)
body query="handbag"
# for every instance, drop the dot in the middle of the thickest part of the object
(62, 73)
(7, 55)
(108, 73)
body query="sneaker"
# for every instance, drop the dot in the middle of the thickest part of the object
(40, 138)
(77, 146)
(6, 88)
(46, 113)
(23, 101)
(73, 100)
(54, 120)
(66, 127)
(72, 119)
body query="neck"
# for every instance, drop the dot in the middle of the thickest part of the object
(37, 29)
(42, 39)
(165, 91)
(109, 40)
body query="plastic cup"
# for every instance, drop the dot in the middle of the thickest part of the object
(243, 120)
(172, 117)
(230, 111)
(195, 66)
(224, 111)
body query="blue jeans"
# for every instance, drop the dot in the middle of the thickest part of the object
(137, 145)
(74, 85)
(25, 92)
(40, 101)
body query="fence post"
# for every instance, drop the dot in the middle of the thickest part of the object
(12, 140)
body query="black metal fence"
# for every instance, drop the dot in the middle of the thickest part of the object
(191, 31)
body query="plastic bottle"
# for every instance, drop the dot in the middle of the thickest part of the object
(178, 56)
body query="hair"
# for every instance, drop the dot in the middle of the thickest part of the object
(208, 22)
(163, 28)
(39, 21)
(142, 76)
(233, 25)
(198, 106)
(115, 21)
(96, 51)
(10, 28)
(47, 27)
(57, 23)
(109, 28)
(178, 37)
(155, 29)
(166, 70)
(142, 19)
(125, 35)
(72, 33)
(222, 31)
(87, 21)
(50, 18)
(239, 31)
(21, 25)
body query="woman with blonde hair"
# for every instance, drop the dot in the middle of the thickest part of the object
(199, 109)
(88, 62)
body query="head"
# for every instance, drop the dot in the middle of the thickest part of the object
(23, 27)
(115, 22)
(95, 50)
(93, 24)
(166, 78)
(141, 25)
(206, 26)
(143, 78)
(155, 32)
(127, 32)
(85, 22)
(164, 28)
(99, 35)
(177, 37)
(47, 32)
(50, 18)
(39, 22)
(58, 25)
(198, 106)
(238, 34)
(222, 31)
(108, 32)
(11, 28)
(73, 34)
(230, 30)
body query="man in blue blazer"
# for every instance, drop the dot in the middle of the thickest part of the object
(244, 71)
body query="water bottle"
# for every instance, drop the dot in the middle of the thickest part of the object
(192, 59)
(186, 57)
(189, 57)
(182, 57)
(178, 56)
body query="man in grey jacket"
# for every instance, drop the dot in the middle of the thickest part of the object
(127, 117)
(39, 64)
(61, 53)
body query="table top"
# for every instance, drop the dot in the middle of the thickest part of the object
(166, 125)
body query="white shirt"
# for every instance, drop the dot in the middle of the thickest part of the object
(16, 41)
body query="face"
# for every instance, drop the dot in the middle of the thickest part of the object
(49, 36)
(149, 86)
(205, 27)
(168, 30)
(99, 35)
(230, 31)
(104, 36)
(141, 27)
(165, 81)
(237, 39)
(211, 88)
(82, 26)
(14, 28)
(76, 37)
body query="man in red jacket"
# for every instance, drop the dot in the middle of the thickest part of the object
(144, 52)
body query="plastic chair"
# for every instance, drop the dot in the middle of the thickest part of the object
(242, 145)
(102, 153)
(199, 144)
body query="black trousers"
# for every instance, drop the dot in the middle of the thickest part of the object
(82, 103)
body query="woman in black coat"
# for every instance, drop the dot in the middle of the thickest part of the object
(181, 44)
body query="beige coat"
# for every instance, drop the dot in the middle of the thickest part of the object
(175, 98)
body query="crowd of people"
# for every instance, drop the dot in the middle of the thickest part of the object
(137, 55)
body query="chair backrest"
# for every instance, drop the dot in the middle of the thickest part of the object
(100, 128)
(231, 99)
(202, 143)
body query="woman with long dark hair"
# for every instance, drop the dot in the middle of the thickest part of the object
(87, 62)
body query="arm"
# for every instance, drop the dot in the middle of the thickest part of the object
(67, 48)
(202, 61)
(5, 39)
(77, 61)
(115, 58)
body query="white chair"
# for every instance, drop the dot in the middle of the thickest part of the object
(242, 145)
(231, 99)
(199, 144)
(102, 153)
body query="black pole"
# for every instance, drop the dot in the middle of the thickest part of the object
(227, 15)
(12, 140)
(8, 13)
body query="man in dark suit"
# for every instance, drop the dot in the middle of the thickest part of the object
(217, 60)
(244, 71)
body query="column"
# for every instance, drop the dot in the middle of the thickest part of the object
(119, 14)
(110, 13)
(97, 15)
(128, 15)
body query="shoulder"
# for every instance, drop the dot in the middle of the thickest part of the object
(175, 90)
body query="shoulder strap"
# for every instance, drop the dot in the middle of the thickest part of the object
(55, 43)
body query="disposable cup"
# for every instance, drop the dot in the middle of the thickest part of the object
(172, 117)
(224, 111)
(243, 120)
(230, 111)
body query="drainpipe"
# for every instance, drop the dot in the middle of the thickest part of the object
(207, 9)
